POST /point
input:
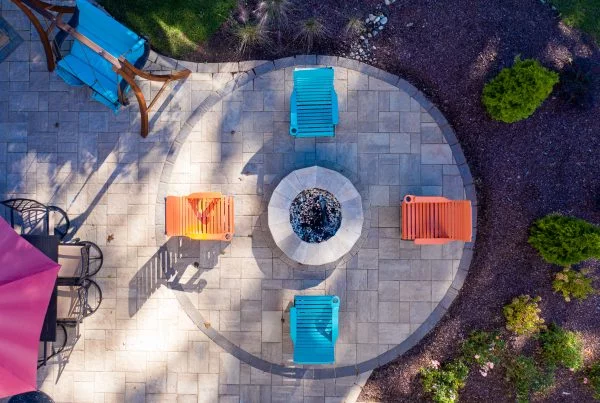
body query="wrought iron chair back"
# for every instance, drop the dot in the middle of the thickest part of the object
(33, 216)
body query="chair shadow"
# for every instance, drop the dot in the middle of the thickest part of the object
(179, 261)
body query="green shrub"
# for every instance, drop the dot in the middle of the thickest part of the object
(592, 377)
(582, 14)
(528, 377)
(576, 284)
(523, 315)
(561, 347)
(516, 92)
(578, 82)
(565, 240)
(444, 383)
(484, 349)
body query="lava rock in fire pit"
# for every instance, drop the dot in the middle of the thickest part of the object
(315, 215)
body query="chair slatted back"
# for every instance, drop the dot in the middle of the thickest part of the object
(200, 216)
(436, 220)
(314, 328)
(314, 104)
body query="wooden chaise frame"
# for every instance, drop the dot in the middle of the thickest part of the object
(53, 15)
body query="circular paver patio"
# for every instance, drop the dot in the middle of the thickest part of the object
(390, 142)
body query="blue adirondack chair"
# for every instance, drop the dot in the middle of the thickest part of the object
(314, 328)
(82, 66)
(313, 104)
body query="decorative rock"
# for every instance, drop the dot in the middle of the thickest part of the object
(384, 20)
(410, 24)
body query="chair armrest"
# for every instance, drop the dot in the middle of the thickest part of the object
(204, 195)
(335, 311)
(335, 116)
(293, 324)
(432, 241)
(293, 114)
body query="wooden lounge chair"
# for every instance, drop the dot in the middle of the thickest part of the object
(200, 216)
(104, 55)
(436, 220)
(314, 328)
(313, 104)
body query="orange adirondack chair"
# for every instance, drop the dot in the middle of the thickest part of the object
(200, 216)
(436, 220)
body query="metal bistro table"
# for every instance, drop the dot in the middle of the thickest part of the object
(48, 245)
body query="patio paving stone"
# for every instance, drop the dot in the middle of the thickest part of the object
(227, 341)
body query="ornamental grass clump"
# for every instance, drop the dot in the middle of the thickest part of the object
(565, 240)
(483, 349)
(561, 347)
(310, 31)
(523, 315)
(573, 284)
(527, 377)
(516, 92)
(443, 383)
(250, 36)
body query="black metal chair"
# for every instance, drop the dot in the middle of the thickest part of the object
(79, 261)
(75, 302)
(33, 216)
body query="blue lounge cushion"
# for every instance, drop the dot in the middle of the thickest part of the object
(314, 328)
(83, 66)
(314, 104)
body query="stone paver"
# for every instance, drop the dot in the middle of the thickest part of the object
(150, 343)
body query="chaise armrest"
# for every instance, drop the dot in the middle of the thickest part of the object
(335, 311)
(293, 115)
(293, 324)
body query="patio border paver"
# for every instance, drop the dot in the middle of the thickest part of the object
(243, 77)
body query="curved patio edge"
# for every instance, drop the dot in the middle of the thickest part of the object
(244, 72)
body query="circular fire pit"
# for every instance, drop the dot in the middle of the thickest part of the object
(315, 215)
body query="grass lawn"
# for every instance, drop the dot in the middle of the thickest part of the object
(582, 14)
(174, 27)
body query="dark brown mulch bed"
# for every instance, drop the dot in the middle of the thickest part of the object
(546, 163)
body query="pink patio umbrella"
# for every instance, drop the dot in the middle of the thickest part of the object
(27, 278)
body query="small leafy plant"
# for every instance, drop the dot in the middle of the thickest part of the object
(528, 377)
(444, 383)
(592, 378)
(517, 91)
(578, 82)
(484, 349)
(573, 284)
(561, 347)
(565, 240)
(523, 315)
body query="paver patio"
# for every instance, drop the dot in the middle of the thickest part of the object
(215, 333)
